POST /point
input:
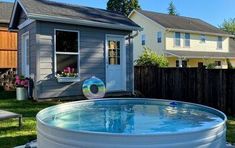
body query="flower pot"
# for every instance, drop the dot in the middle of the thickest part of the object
(21, 93)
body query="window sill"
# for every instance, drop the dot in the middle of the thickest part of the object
(68, 79)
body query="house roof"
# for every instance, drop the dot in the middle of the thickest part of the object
(74, 14)
(5, 12)
(181, 22)
(199, 54)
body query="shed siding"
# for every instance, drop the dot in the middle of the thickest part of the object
(32, 49)
(92, 59)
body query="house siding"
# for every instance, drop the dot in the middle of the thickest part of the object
(195, 43)
(92, 59)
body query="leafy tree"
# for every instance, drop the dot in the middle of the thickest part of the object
(123, 6)
(150, 58)
(228, 26)
(172, 9)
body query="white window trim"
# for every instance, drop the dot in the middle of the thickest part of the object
(67, 53)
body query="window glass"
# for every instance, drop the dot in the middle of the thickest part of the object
(203, 38)
(218, 63)
(184, 63)
(64, 61)
(219, 42)
(159, 37)
(66, 53)
(114, 52)
(143, 39)
(66, 41)
(187, 40)
(177, 39)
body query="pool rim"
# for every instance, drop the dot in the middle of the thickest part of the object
(223, 117)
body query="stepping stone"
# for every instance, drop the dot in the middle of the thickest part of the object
(9, 115)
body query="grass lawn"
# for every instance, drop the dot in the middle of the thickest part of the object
(11, 135)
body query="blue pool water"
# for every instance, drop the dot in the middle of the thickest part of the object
(133, 116)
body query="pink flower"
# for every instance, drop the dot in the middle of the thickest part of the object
(17, 78)
(26, 83)
(73, 70)
(17, 82)
(69, 69)
(22, 83)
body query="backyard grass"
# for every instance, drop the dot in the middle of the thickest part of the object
(11, 135)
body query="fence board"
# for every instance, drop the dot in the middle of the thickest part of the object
(212, 87)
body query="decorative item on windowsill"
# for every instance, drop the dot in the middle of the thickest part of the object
(21, 88)
(68, 75)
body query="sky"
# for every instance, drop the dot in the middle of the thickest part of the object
(211, 11)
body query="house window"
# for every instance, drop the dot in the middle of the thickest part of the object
(177, 63)
(187, 40)
(203, 38)
(159, 37)
(143, 39)
(66, 51)
(177, 39)
(219, 42)
(218, 63)
(184, 64)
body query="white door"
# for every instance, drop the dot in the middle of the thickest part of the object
(25, 54)
(115, 63)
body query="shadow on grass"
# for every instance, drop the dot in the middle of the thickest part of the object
(9, 142)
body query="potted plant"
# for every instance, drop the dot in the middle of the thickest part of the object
(68, 75)
(21, 88)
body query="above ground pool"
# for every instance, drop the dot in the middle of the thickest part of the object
(131, 123)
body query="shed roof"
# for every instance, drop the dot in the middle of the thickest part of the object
(74, 14)
(5, 12)
(181, 22)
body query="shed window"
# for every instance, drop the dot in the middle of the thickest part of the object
(159, 37)
(187, 40)
(177, 39)
(67, 51)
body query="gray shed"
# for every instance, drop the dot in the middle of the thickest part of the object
(92, 42)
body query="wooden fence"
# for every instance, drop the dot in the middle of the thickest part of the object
(212, 87)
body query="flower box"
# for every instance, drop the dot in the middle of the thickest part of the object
(68, 79)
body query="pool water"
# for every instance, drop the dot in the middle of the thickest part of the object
(133, 117)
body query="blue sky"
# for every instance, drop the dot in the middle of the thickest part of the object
(212, 11)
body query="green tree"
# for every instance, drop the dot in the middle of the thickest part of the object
(150, 58)
(228, 26)
(230, 66)
(123, 6)
(172, 9)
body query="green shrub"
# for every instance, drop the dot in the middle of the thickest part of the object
(150, 58)
(230, 66)
(211, 66)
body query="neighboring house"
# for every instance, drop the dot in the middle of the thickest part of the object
(54, 35)
(8, 40)
(186, 42)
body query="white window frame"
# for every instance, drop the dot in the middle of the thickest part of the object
(203, 38)
(159, 36)
(143, 38)
(177, 39)
(185, 40)
(67, 53)
(219, 43)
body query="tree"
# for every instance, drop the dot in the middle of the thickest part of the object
(151, 58)
(228, 26)
(123, 6)
(172, 9)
